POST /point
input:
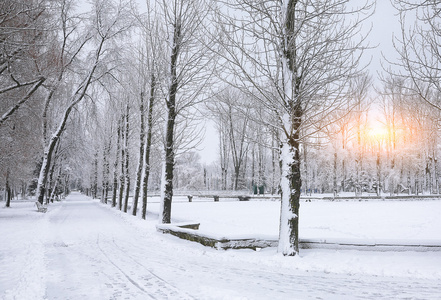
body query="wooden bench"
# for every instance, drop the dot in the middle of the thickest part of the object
(40, 207)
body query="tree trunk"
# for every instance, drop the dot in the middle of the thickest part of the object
(106, 171)
(95, 176)
(54, 190)
(51, 181)
(47, 156)
(141, 156)
(7, 190)
(167, 184)
(126, 163)
(148, 145)
(291, 184)
(116, 163)
(121, 175)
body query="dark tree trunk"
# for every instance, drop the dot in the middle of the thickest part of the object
(95, 176)
(169, 168)
(106, 171)
(296, 184)
(169, 136)
(116, 163)
(126, 163)
(141, 156)
(7, 190)
(47, 157)
(57, 180)
(148, 145)
(122, 174)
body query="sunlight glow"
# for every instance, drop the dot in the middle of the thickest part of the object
(377, 132)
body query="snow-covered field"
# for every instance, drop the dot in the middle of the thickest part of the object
(363, 220)
(81, 249)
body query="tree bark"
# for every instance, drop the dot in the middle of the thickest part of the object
(121, 175)
(7, 190)
(116, 163)
(167, 184)
(167, 194)
(291, 182)
(106, 171)
(126, 163)
(95, 176)
(148, 145)
(141, 156)
(291, 186)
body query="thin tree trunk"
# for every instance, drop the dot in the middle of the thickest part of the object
(54, 191)
(51, 181)
(122, 174)
(126, 163)
(141, 156)
(95, 176)
(116, 163)
(106, 171)
(148, 145)
(7, 190)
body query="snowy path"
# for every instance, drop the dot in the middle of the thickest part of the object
(82, 250)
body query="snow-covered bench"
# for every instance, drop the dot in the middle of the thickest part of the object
(40, 207)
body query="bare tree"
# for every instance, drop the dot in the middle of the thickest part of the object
(108, 21)
(149, 69)
(299, 57)
(188, 73)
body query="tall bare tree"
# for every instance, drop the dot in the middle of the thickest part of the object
(298, 56)
(108, 20)
(185, 23)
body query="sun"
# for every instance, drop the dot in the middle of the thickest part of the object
(377, 132)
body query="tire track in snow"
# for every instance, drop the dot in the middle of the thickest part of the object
(122, 260)
(120, 270)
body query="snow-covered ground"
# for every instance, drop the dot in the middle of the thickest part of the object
(364, 221)
(81, 249)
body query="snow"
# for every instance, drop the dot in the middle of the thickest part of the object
(286, 213)
(363, 220)
(82, 249)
